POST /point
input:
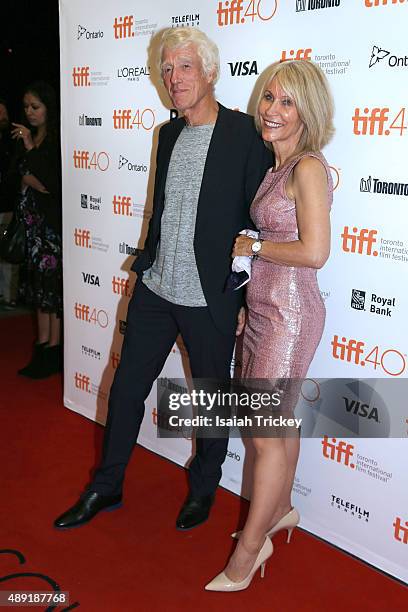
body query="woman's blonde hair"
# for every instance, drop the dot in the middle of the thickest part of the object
(305, 83)
(207, 50)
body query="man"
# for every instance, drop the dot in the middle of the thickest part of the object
(209, 166)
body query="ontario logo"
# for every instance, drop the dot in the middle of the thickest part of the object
(238, 12)
(83, 32)
(393, 61)
(125, 163)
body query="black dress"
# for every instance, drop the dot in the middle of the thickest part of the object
(42, 217)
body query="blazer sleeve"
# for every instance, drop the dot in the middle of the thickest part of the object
(142, 262)
(259, 160)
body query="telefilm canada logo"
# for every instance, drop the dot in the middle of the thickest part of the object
(191, 20)
(313, 5)
(350, 508)
(89, 351)
(382, 186)
(379, 305)
(84, 33)
(393, 61)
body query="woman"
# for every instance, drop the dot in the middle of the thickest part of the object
(285, 311)
(40, 207)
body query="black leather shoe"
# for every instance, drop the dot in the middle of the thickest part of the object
(88, 505)
(195, 511)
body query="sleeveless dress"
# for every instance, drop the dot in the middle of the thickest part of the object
(286, 313)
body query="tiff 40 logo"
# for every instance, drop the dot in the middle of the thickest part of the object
(85, 160)
(377, 122)
(126, 119)
(391, 361)
(84, 312)
(232, 12)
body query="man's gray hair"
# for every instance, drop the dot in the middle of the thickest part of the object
(207, 50)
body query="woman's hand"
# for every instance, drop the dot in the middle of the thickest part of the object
(242, 246)
(21, 132)
(240, 321)
(29, 180)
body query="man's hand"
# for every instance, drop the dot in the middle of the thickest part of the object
(240, 321)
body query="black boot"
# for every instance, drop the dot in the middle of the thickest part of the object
(50, 363)
(36, 360)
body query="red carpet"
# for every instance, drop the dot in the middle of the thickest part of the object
(133, 559)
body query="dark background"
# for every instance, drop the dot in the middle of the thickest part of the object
(29, 48)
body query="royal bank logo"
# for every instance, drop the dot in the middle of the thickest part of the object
(183, 21)
(312, 5)
(375, 185)
(83, 32)
(357, 299)
(379, 304)
(91, 202)
(393, 61)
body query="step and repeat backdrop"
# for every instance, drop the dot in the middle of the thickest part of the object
(350, 491)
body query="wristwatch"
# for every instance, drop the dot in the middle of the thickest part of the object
(256, 247)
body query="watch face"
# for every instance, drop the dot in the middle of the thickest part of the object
(256, 246)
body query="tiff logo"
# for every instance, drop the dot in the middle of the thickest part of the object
(82, 238)
(81, 311)
(122, 205)
(81, 159)
(122, 119)
(347, 350)
(400, 530)
(300, 54)
(357, 299)
(82, 382)
(80, 76)
(340, 452)
(230, 13)
(374, 119)
(371, 3)
(360, 242)
(120, 286)
(122, 27)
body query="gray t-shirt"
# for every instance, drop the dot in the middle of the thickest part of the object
(174, 275)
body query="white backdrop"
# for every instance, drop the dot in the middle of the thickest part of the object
(111, 111)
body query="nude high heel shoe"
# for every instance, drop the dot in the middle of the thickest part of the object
(288, 522)
(223, 583)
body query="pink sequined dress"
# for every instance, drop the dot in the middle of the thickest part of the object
(286, 313)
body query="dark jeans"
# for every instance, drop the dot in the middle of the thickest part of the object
(153, 325)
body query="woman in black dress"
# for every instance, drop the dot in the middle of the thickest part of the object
(40, 207)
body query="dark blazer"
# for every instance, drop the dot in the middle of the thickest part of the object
(236, 163)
